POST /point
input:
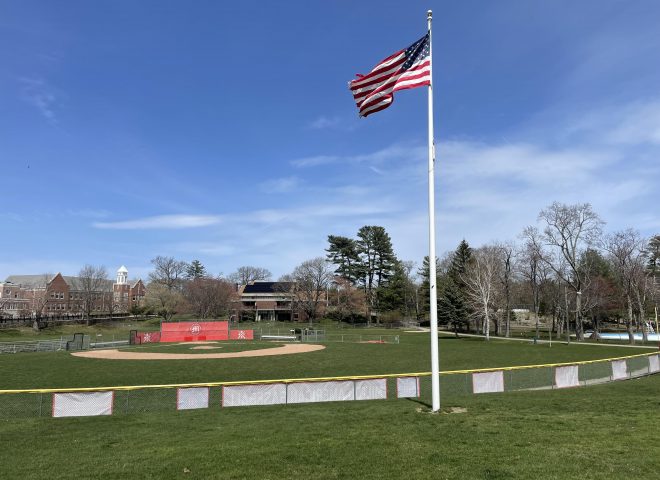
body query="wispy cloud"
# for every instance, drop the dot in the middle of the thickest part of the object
(280, 185)
(334, 123)
(161, 222)
(398, 151)
(88, 213)
(42, 96)
(323, 122)
(14, 217)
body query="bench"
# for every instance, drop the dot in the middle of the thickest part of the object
(279, 337)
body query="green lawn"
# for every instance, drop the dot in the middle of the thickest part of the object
(60, 369)
(607, 431)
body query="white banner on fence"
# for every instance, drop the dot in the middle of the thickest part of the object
(375, 389)
(247, 395)
(82, 404)
(191, 398)
(407, 387)
(654, 363)
(488, 382)
(619, 370)
(567, 376)
(321, 392)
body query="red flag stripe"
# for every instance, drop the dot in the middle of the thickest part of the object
(398, 58)
(391, 86)
(387, 99)
(367, 91)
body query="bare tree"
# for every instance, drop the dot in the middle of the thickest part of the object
(569, 230)
(168, 272)
(209, 297)
(481, 281)
(347, 300)
(246, 274)
(91, 284)
(312, 278)
(532, 268)
(625, 249)
(506, 275)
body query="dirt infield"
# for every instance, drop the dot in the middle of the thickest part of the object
(114, 354)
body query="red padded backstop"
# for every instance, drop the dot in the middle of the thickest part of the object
(194, 331)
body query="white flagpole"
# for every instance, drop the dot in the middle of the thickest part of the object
(433, 317)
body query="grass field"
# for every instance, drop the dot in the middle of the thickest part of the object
(605, 431)
(412, 354)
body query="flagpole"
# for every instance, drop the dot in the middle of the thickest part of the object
(433, 294)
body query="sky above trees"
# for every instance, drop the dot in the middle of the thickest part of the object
(226, 132)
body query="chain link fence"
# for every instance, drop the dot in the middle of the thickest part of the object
(453, 384)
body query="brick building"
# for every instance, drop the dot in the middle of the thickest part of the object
(44, 295)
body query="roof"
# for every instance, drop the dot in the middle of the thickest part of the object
(267, 287)
(40, 281)
(122, 269)
(31, 281)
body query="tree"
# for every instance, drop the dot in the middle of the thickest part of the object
(569, 230)
(164, 301)
(343, 253)
(195, 270)
(347, 302)
(532, 268)
(625, 250)
(168, 272)
(209, 297)
(247, 274)
(506, 273)
(424, 289)
(312, 278)
(399, 293)
(91, 283)
(481, 279)
(377, 261)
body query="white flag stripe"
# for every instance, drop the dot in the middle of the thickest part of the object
(403, 80)
(395, 79)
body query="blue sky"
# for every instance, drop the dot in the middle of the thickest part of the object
(226, 132)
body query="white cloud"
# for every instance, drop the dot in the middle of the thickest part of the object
(161, 222)
(38, 93)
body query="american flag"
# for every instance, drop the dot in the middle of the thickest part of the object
(408, 68)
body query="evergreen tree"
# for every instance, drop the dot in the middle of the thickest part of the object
(459, 263)
(342, 252)
(423, 272)
(195, 269)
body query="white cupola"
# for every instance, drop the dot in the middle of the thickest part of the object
(122, 276)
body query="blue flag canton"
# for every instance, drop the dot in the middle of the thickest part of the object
(417, 51)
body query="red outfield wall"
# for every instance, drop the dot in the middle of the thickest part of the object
(194, 331)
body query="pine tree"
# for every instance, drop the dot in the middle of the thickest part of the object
(195, 270)
(342, 252)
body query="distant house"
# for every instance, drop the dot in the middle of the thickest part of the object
(37, 295)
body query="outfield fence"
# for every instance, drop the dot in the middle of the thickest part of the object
(321, 336)
(70, 402)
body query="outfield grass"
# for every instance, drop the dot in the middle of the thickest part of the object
(60, 369)
(607, 431)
